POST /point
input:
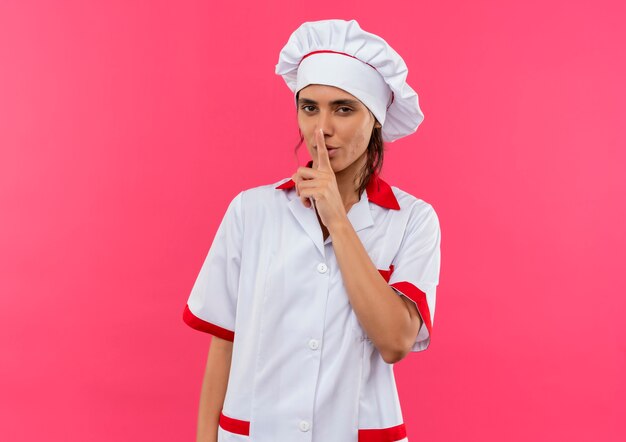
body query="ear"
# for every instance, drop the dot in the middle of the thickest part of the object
(376, 124)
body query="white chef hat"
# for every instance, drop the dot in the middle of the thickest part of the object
(339, 53)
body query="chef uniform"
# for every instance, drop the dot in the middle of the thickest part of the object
(302, 368)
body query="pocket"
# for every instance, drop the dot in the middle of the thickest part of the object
(390, 434)
(356, 325)
(232, 430)
(227, 436)
(386, 273)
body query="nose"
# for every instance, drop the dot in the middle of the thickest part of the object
(324, 122)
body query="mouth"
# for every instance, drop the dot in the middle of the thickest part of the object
(332, 151)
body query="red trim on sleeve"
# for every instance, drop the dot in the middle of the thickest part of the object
(419, 297)
(390, 434)
(234, 425)
(199, 324)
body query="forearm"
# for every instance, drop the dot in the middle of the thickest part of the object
(213, 389)
(381, 311)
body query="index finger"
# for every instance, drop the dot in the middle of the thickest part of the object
(323, 160)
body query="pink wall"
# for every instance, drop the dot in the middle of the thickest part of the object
(119, 125)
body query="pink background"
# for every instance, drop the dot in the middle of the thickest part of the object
(126, 127)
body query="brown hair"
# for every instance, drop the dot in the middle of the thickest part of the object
(375, 154)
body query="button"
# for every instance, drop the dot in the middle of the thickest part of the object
(304, 426)
(322, 267)
(314, 344)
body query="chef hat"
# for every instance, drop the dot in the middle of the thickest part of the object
(339, 53)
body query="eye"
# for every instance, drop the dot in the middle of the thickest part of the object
(304, 108)
(346, 108)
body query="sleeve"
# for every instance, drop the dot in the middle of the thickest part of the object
(416, 269)
(212, 304)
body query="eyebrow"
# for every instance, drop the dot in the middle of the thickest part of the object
(333, 103)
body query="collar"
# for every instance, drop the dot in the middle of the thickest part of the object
(378, 191)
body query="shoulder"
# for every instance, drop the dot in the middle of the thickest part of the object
(419, 222)
(265, 196)
(412, 206)
(264, 191)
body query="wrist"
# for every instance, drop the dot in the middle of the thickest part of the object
(339, 226)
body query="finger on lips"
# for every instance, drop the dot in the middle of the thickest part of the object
(307, 173)
(323, 158)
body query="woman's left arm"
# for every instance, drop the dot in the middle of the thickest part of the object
(391, 321)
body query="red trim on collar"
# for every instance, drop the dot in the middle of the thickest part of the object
(378, 191)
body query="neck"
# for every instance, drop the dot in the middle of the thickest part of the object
(348, 181)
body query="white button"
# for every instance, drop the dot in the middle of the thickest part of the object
(322, 267)
(314, 344)
(304, 426)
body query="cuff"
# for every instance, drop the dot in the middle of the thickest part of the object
(199, 324)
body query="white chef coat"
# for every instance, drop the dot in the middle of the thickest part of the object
(302, 366)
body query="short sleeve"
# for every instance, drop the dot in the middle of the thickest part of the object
(416, 268)
(212, 304)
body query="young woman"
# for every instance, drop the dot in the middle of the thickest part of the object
(314, 286)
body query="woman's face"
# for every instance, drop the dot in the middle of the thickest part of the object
(347, 124)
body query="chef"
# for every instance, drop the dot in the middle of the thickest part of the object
(318, 283)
